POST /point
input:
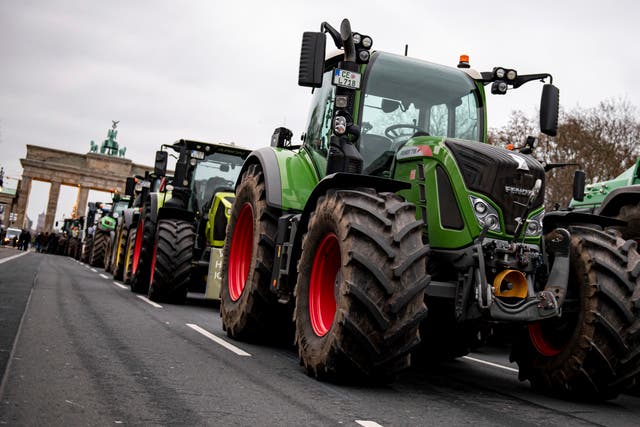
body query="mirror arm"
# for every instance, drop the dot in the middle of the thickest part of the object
(525, 78)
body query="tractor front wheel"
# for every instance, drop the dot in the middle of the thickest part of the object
(128, 255)
(171, 261)
(249, 310)
(120, 260)
(98, 248)
(143, 252)
(360, 289)
(593, 350)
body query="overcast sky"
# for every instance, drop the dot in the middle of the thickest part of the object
(227, 70)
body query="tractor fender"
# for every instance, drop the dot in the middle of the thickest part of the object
(128, 217)
(343, 181)
(556, 219)
(622, 196)
(157, 200)
(267, 159)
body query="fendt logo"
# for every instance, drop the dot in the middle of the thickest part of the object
(509, 189)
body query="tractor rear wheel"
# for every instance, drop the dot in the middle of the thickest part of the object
(97, 250)
(171, 261)
(118, 269)
(128, 255)
(593, 350)
(249, 310)
(143, 252)
(86, 249)
(360, 288)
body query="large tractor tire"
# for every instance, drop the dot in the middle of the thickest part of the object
(631, 214)
(108, 253)
(128, 255)
(593, 351)
(249, 309)
(120, 258)
(100, 240)
(171, 261)
(143, 252)
(87, 246)
(360, 289)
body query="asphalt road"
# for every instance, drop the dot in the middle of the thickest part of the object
(77, 348)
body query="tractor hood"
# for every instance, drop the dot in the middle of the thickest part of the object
(506, 177)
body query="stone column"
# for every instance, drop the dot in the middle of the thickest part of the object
(81, 200)
(24, 189)
(52, 205)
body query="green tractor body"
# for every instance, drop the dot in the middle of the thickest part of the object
(184, 224)
(394, 204)
(617, 198)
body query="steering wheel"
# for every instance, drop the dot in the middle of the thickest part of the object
(392, 132)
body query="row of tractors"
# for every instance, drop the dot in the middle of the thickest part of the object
(392, 235)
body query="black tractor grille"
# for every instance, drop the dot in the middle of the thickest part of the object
(498, 174)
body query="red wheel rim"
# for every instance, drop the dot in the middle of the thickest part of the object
(137, 247)
(240, 252)
(322, 300)
(153, 262)
(540, 342)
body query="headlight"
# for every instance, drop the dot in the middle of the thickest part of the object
(534, 225)
(486, 214)
(356, 38)
(340, 125)
(364, 55)
(367, 42)
(499, 73)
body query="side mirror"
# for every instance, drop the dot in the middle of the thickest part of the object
(311, 59)
(281, 137)
(130, 186)
(578, 185)
(160, 167)
(549, 109)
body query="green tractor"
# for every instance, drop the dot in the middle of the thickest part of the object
(395, 203)
(617, 198)
(105, 228)
(183, 225)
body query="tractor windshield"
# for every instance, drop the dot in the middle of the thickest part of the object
(403, 97)
(217, 172)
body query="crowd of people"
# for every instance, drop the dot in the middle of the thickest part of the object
(50, 243)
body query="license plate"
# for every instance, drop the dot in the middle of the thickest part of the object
(348, 79)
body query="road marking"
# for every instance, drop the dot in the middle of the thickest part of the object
(495, 365)
(12, 257)
(120, 285)
(364, 423)
(148, 301)
(218, 340)
(104, 276)
(94, 270)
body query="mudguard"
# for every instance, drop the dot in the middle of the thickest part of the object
(629, 195)
(267, 159)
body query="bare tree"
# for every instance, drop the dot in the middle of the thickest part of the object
(603, 140)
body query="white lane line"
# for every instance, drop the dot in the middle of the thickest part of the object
(495, 365)
(365, 423)
(94, 270)
(148, 301)
(120, 285)
(104, 276)
(12, 257)
(218, 340)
